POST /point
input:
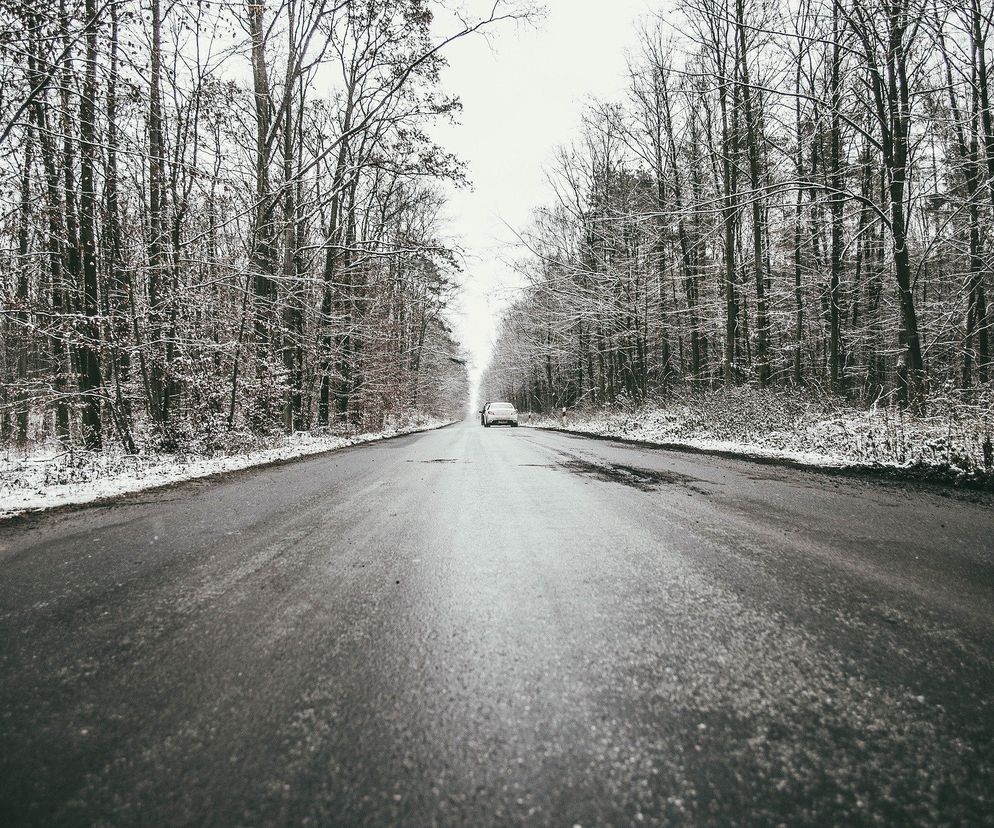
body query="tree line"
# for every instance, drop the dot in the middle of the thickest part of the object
(791, 194)
(223, 216)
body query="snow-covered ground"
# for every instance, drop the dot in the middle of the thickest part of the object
(43, 480)
(951, 440)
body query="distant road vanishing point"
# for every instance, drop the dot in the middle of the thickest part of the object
(496, 627)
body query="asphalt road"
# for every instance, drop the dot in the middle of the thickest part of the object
(502, 626)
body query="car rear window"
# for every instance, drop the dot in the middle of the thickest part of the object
(502, 407)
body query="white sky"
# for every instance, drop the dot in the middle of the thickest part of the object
(523, 95)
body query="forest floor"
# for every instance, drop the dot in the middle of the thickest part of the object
(43, 477)
(950, 439)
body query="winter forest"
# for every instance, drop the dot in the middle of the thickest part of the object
(792, 194)
(227, 220)
(223, 217)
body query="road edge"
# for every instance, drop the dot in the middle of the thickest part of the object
(108, 500)
(938, 478)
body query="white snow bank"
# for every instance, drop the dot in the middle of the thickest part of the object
(950, 438)
(41, 480)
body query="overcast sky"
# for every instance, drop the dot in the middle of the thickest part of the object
(523, 95)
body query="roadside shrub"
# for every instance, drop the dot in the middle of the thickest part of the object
(949, 434)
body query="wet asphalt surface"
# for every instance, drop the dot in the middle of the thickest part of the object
(498, 627)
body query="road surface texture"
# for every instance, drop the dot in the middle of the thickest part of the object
(502, 626)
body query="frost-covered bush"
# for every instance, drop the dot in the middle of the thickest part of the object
(948, 434)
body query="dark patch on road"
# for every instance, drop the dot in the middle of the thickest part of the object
(645, 480)
(437, 460)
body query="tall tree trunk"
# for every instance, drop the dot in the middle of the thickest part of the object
(117, 293)
(55, 236)
(798, 371)
(263, 256)
(753, 149)
(691, 288)
(980, 28)
(897, 156)
(90, 380)
(158, 403)
(68, 293)
(293, 310)
(729, 210)
(969, 152)
(22, 297)
(836, 184)
(333, 243)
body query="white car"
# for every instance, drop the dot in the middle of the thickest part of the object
(500, 412)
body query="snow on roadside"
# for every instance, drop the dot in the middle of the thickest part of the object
(603, 429)
(43, 481)
(951, 440)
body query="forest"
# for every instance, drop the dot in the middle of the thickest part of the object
(224, 218)
(790, 195)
